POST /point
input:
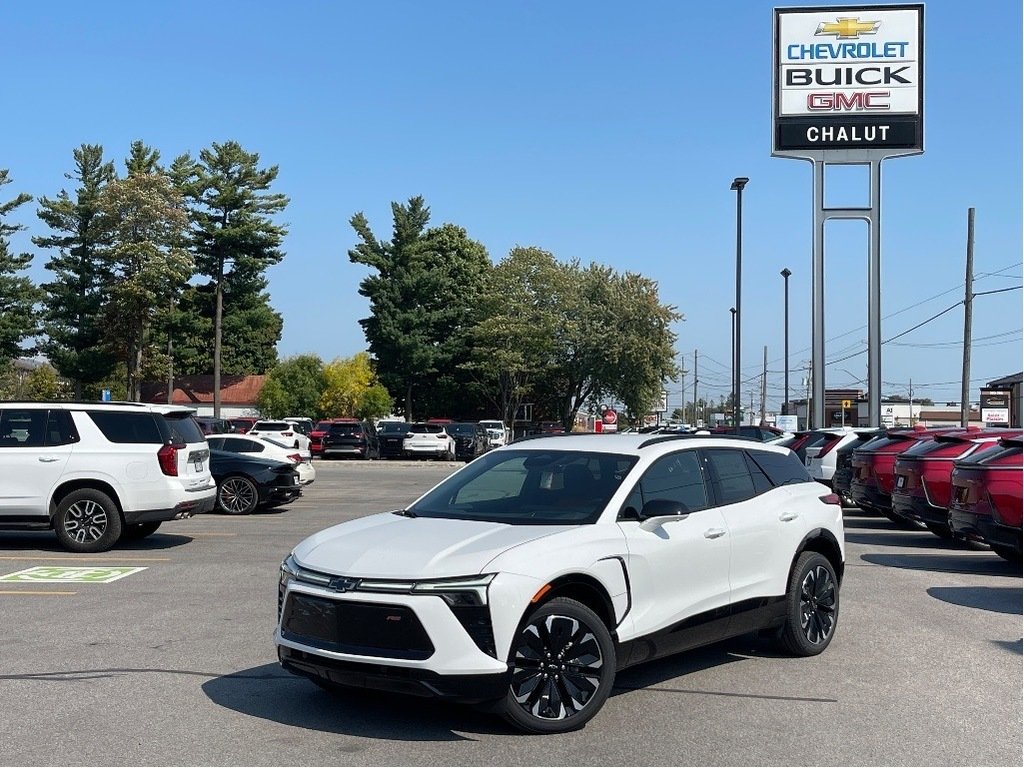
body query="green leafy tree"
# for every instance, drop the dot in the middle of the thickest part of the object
(374, 402)
(422, 292)
(513, 340)
(235, 238)
(73, 300)
(18, 295)
(345, 381)
(146, 224)
(43, 383)
(293, 388)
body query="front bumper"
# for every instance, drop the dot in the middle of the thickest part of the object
(468, 689)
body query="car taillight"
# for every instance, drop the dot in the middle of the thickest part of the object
(442, 436)
(295, 457)
(828, 446)
(287, 434)
(831, 498)
(167, 457)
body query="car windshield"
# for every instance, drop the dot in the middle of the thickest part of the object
(426, 429)
(393, 428)
(272, 426)
(529, 487)
(346, 430)
(464, 430)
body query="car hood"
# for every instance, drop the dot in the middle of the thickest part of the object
(396, 547)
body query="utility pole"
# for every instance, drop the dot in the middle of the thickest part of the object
(965, 376)
(807, 421)
(682, 386)
(911, 402)
(695, 387)
(170, 371)
(764, 384)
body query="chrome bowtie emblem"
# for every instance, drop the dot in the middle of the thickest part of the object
(343, 584)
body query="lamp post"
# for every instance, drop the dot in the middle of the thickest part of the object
(785, 336)
(732, 360)
(738, 184)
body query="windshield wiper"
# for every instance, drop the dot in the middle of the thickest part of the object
(404, 513)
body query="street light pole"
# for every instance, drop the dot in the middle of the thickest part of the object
(737, 185)
(785, 335)
(732, 360)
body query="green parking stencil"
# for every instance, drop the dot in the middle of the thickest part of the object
(57, 574)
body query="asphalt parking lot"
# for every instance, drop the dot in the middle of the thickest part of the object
(174, 664)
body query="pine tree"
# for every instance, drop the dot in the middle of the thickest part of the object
(18, 296)
(234, 236)
(72, 302)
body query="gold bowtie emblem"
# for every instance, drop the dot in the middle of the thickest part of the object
(848, 28)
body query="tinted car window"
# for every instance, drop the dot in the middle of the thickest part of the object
(216, 443)
(184, 428)
(782, 469)
(731, 475)
(22, 427)
(346, 430)
(757, 475)
(121, 427)
(426, 429)
(391, 428)
(676, 477)
(60, 428)
(272, 426)
(464, 430)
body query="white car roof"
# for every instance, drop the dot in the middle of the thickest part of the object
(634, 443)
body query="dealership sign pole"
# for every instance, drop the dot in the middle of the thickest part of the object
(848, 89)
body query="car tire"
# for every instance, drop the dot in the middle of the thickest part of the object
(551, 637)
(237, 495)
(812, 605)
(1007, 553)
(87, 520)
(136, 531)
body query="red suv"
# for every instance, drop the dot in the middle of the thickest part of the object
(987, 498)
(922, 486)
(316, 435)
(873, 479)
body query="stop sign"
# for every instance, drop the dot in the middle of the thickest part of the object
(610, 417)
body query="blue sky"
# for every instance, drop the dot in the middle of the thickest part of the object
(596, 130)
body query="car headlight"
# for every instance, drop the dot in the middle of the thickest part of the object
(463, 590)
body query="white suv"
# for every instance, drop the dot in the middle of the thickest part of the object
(99, 472)
(526, 579)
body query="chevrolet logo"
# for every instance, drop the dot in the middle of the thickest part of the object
(343, 584)
(845, 29)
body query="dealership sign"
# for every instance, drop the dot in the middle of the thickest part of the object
(848, 78)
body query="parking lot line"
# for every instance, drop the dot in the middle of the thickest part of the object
(89, 558)
(33, 592)
(211, 534)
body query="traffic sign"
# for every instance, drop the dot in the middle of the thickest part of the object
(846, 404)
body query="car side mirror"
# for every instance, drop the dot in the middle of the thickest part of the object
(657, 512)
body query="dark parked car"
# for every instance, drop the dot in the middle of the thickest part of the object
(350, 438)
(843, 476)
(987, 498)
(241, 425)
(246, 482)
(873, 462)
(390, 439)
(922, 475)
(212, 426)
(471, 440)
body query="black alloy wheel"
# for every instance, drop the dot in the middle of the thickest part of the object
(563, 666)
(812, 605)
(237, 495)
(87, 521)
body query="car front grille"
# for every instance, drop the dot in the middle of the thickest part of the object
(365, 629)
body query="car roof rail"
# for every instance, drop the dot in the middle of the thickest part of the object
(697, 435)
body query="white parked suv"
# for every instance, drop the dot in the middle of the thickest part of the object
(528, 578)
(429, 439)
(99, 472)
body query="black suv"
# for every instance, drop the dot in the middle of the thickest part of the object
(391, 439)
(350, 438)
(471, 439)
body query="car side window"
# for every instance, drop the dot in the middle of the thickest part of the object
(60, 429)
(676, 477)
(251, 446)
(761, 481)
(216, 443)
(22, 427)
(732, 476)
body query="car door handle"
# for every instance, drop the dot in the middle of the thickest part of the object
(49, 459)
(714, 533)
(785, 517)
